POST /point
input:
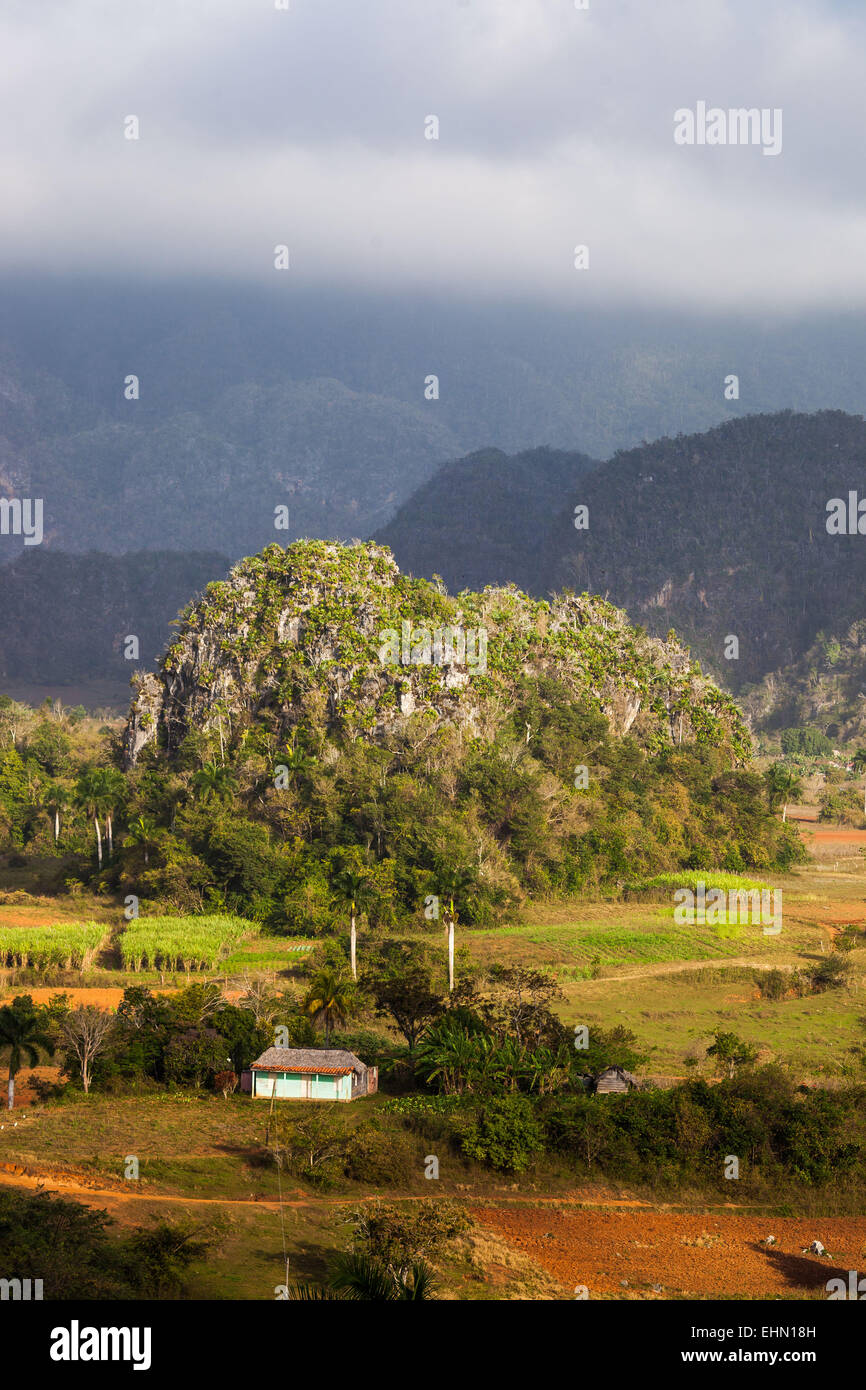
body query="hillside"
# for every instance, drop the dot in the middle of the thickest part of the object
(723, 533)
(477, 521)
(64, 618)
(288, 733)
(713, 535)
(292, 627)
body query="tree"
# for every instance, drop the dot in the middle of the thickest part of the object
(403, 991)
(519, 1003)
(85, 1032)
(783, 786)
(22, 1030)
(114, 793)
(310, 1143)
(91, 797)
(330, 999)
(454, 882)
(225, 1081)
(54, 796)
(731, 1052)
(397, 1234)
(212, 781)
(353, 888)
(143, 831)
(360, 1277)
(163, 1254)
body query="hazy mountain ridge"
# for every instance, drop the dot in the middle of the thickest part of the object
(478, 520)
(65, 618)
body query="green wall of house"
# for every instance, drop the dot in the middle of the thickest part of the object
(287, 1085)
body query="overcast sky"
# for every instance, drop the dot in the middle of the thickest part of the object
(260, 126)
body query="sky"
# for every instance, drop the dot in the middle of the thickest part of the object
(305, 126)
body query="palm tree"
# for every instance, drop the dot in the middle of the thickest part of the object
(454, 883)
(90, 795)
(114, 792)
(783, 786)
(859, 762)
(142, 832)
(353, 888)
(55, 798)
(330, 999)
(298, 761)
(212, 780)
(22, 1032)
(362, 1277)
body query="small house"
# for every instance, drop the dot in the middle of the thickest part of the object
(311, 1073)
(614, 1079)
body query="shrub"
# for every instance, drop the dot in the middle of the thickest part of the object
(506, 1135)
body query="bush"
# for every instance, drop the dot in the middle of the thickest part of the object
(506, 1135)
(773, 984)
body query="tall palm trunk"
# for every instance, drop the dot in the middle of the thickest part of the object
(98, 840)
(56, 825)
(354, 942)
(109, 831)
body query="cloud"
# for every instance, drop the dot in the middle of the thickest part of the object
(261, 126)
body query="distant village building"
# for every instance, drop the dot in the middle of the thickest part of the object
(309, 1073)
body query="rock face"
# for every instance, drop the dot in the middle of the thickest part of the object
(338, 633)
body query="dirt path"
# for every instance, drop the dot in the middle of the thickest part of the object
(675, 967)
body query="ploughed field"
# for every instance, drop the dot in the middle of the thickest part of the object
(664, 1254)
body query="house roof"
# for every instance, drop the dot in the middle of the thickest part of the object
(324, 1060)
(626, 1075)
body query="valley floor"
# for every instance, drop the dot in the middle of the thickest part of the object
(536, 1238)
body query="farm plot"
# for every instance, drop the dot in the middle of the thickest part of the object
(71, 946)
(181, 943)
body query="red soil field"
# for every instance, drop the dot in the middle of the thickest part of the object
(683, 1254)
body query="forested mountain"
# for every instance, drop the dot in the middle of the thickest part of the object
(65, 618)
(723, 535)
(478, 521)
(717, 535)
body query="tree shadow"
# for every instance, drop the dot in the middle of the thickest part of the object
(803, 1271)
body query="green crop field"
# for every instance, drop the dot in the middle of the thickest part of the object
(71, 946)
(181, 943)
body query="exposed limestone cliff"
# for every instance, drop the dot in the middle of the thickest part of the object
(340, 631)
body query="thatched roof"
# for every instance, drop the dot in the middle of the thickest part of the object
(324, 1060)
(626, 1075)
